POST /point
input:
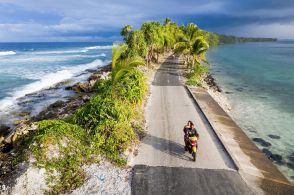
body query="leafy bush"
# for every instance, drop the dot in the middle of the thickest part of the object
(98, 111)
(62, 148)
(195, 75)
(51, 132)
(108, 122)
(131, 86)
(194, 81)
(103, 86)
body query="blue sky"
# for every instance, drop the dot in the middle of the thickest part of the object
(101, 20)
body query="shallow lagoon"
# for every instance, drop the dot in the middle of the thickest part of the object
(258, 79)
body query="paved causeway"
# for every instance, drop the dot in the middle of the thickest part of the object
(162, 166)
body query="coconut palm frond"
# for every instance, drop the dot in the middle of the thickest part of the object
(117, 51)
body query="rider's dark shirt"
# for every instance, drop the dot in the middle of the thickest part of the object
(185, 130)
(192, 132)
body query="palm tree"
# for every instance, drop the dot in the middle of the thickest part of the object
(125, 32)
(153, 37)
(126, 65)
(117, 51)
(122, 65)
(191, 46)
(167, 21)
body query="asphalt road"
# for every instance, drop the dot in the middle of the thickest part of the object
(170, 170)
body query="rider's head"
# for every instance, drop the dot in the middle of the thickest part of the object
(192, 125)
(189, 123)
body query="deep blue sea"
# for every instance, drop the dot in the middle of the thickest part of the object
(258, 80)
(26, 68)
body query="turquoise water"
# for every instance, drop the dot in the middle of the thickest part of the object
(27, 68)
(258, 80)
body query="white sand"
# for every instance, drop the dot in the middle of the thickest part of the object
(31, 181)
(105, 178)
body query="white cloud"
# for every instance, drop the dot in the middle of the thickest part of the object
(282, 31)
(92, 16)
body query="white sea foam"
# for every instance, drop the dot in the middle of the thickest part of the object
(61, 51)
(82, 50)
(7, 53)
(102, 55)
(99, 47)
(47, 81)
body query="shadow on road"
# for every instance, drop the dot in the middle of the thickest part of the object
(180, 180)
(167, 146)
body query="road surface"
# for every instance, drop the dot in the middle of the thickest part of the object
(162, 166)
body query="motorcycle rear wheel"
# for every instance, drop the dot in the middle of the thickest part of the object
(194, 156)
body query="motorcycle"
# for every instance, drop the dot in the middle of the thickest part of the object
(191, 145)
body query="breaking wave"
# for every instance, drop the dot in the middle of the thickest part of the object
(7, 53)
(48, 81)
(99, 47)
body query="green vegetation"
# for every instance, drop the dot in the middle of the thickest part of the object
(226, 39)
(62, 149)
(112, 120)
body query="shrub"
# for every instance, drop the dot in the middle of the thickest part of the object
(62, 148)
(194, 77)
(98, 111)
(131, 86)
(108, 123)
(103, 86)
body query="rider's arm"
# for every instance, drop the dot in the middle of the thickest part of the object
(185, 130)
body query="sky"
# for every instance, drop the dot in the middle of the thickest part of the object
(101, 20)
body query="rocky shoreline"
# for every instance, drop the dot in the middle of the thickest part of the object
(215, 91)
(59, 109)
(9, 172)
(210, 84)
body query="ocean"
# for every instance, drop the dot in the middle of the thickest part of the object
(28, 68)
(258, 80)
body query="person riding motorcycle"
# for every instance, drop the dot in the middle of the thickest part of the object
(189, 131)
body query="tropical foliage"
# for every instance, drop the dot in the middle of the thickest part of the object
(112, 120)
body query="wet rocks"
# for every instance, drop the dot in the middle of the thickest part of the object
(95, 76)
(19, 130)
(274, 157)
(24, 114)
(290, 165)
(277, 159)
(274, 136)
(50, 112)
(91, 70)
(7, 148)
(291, 157)
(82, 87)
(211, 83)
(57, 104)
(240, 89)
(262, 142)
(86, 98)
(61, 109)
(267, 152)
(23, 129)
(4, 130)
(88, 86)
(68, 87)
(262, 97)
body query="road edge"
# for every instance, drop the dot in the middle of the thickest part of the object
(259, 182)
(209, 123)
